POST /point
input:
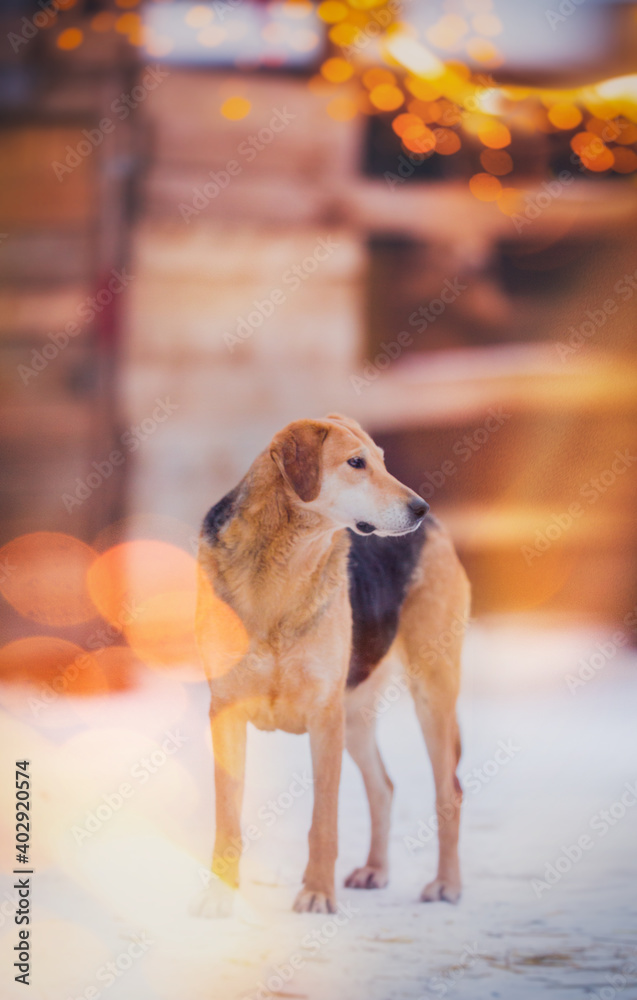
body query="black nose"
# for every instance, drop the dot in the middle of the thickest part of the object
(418, 507)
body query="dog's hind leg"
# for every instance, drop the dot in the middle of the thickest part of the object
(360, 739)
(433, 622)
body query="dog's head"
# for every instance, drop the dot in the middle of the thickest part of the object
(334, 468)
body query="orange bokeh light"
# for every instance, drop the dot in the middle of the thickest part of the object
(564, 116)
(447, 141)
(592, 151)
(624, 160)
(484, 187)
(419, 139)
(69, 39)
(342, 109)
(148, 589)
(483, 51)
(422, 89)
(47, 578)
(405, 121)
(386, 97)
(494, 134)
(62, 666)
(236, 108)
(496, 161)
(378, 77)
(221, 632)
(332, 11)
(509, 201)
(343, 34)
(337, 70)
(427, 111)
(128, 23)
(127, 575)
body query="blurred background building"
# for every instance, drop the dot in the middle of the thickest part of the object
(219, 217)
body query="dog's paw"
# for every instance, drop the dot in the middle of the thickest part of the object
(367, 877)
(215, 901)
(446, 890)
(313, 901)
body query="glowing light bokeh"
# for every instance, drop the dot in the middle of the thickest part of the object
(236, 108)
(48, 581)
(47, 660)
(70, 39)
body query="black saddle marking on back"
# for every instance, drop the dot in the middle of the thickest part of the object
(379, 573)
(219, 515)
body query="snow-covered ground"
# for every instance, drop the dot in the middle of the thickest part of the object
(116, 867)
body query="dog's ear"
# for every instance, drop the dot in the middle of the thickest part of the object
(297, 453)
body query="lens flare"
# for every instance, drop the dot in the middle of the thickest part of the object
(47, 578)
(62, 666)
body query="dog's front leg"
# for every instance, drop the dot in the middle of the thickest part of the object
(229, 748)
(326, 742)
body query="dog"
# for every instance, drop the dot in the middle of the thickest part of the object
(327, 566)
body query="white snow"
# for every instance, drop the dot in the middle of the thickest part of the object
(570, 756)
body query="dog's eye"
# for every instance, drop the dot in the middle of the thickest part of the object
(356, 462)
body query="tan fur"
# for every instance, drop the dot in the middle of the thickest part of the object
(281, 564)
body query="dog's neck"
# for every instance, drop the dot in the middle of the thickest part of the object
(277, 561)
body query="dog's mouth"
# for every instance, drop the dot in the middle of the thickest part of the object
(365, 528)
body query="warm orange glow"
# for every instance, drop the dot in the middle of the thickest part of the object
(419, 139)
(599, 162)
(126, 576)
(509, 201)
(496, 161)
(221, 632)
(342, 109)
(128, 24)
(624, 160)
(386, 97)
(69, 39)
(48, 582)
(494, 134)
(65, 668)
(583, 140)
(592, 151)
(199, 16)
(103, 21)
(147, 589)
(162, 632)
(483, 51)
(343, 34)
(405, 121)
(448, 112)
(484, 187)
(564, 116)
(236, 108)
(422, 89)
(377, 77)
(428, 111)
(332, 11)
(623, 132)
(447, 141)
(337, 70)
